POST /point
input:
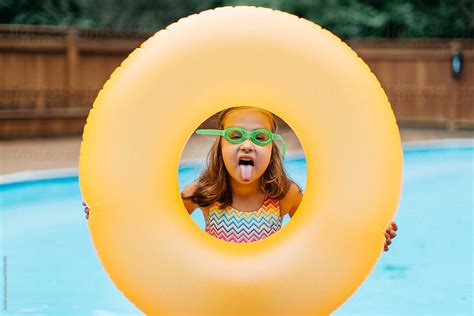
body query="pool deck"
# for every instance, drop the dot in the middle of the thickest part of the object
(61, 153)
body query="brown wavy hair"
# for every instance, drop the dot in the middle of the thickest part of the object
(213, 185)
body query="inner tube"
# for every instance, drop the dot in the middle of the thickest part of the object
(153, 102)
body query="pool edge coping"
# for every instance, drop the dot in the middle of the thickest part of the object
(44, 174)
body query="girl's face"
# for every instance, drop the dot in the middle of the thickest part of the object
(246, 162)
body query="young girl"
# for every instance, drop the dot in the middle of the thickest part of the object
(244, 192)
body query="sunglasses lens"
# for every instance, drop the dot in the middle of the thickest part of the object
(235, 135)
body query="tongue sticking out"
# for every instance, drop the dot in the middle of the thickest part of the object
(246, 172)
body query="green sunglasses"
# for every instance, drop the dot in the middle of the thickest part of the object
(237, 135)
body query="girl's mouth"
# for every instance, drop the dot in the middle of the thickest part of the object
(246, 167)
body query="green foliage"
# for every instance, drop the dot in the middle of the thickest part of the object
(346, 18)
(114, 14)
(379, 18)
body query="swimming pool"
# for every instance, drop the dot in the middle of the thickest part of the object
(51, 265)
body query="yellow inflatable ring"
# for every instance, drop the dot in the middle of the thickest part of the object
(142, 118)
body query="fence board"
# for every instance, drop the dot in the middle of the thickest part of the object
(50, 76)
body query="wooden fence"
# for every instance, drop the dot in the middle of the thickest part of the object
(49, 77)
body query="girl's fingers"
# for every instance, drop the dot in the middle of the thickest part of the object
(394, 226)
(392, 233)
(389, 234)
(86, 210)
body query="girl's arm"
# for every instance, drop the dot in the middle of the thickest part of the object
(289, 204)
(188, 204)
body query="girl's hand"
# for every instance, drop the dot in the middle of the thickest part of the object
(86, 210)
(390, 233)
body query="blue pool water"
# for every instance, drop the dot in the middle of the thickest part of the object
(52, 269)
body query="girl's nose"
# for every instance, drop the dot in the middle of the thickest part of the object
(247, 145)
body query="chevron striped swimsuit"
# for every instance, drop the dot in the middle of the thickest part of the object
(236, 226)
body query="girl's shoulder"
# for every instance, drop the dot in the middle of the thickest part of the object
(190, 205)
(290, 202)
(187, 192)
